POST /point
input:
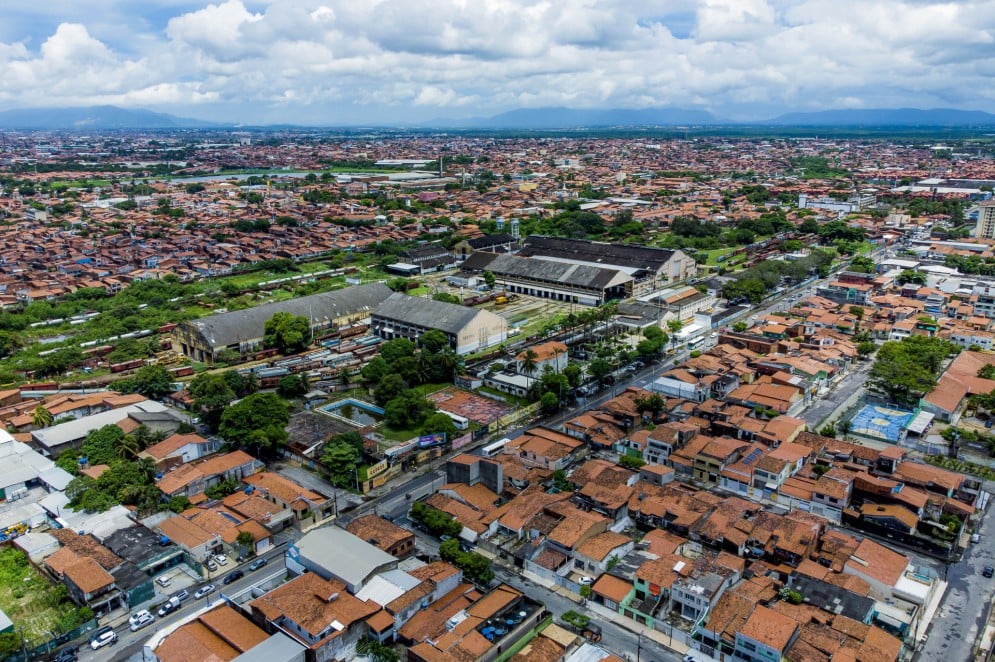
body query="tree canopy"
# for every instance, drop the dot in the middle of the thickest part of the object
(257, 422)
(906, 370)
(286, 332)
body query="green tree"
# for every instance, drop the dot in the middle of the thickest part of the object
(550, 402)
(653, 403)
(434, 341)
(630, 461)
(574, 373)
(393, 350)
(599, 369)
(257, 422)
(293, 386)
(910, 276)
(377, 651)
(211, 393)
(287, 333)
(41, 417)
(391, 386)
(862, 264)
(904, 371)
(341, 459)
(489, 278)
(153, 381)
(561, 482)
(439, 422)
(246, 540)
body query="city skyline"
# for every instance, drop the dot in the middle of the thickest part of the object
(329, 62)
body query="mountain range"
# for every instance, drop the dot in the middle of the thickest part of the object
(113, 117)
(96, 117)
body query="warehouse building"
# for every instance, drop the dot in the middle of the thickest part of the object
(553, 279)
(468, 330)
(650, 268)
(242, 330)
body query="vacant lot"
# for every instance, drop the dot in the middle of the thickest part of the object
(30, 600)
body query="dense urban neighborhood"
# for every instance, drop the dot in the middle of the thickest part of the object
(307, 396)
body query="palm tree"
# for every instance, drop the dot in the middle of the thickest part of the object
(529, 364)
(129, 446)
(41, 417)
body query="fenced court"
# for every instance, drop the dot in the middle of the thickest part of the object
(881, 422)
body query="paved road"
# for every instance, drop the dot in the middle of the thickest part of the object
(959, 620)
(129, 645)
(820, 410)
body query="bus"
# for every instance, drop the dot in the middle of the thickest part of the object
(695, 343)
(490, 450)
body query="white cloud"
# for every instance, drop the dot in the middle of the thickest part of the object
(383, 59)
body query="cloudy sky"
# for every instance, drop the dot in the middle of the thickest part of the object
(360, 61)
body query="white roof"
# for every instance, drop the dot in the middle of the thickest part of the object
(348, 557)
(387, 587)
(64, 433)
(20, 462)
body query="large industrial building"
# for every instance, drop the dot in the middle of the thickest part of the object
(468, 330)
(242, 330)
(553, 279)
(650, 268)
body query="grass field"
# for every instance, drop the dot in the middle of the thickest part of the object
(30, 600)
(79, 183)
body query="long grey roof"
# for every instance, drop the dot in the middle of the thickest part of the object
(241, 325)
(583, 250)
(343, 554)
(548, 271)
(427, 313)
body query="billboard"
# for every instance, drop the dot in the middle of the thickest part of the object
(432, 440)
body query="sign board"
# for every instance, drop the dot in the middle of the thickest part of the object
(432, 440)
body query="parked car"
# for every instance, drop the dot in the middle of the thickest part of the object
(258, 563)
(204, 590)
(163, 581)
(168, 607)
(586, 581)
(988, 571)
(975, 538)
(211, 565)
(140, 619)
(70, 654)
(221, 559)
(182, 595)
(233, 576)
(105, 636)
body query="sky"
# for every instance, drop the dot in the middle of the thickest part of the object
(329, 62)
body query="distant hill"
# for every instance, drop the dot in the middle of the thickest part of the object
(96, 117)
(886, 117)
(572, 118)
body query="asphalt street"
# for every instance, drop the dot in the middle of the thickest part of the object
(129, 644)
(958, 622)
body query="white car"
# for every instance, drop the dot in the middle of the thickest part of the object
(105, 636)
(140, 620)
(205, 590)
(163, 581)
(586, 581)
(221, 559)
